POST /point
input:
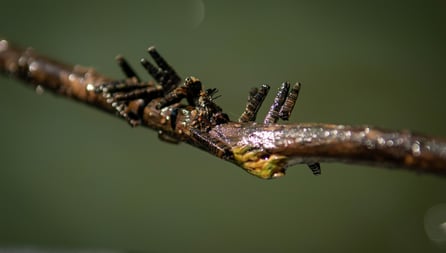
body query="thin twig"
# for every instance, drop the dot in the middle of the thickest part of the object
(262, 149)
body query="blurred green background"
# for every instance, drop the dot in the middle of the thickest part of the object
(74, 177)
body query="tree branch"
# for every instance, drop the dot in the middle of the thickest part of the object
(262, 149)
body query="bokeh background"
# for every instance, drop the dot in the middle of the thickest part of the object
(73, 177)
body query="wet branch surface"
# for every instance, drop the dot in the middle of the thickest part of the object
(180, 111)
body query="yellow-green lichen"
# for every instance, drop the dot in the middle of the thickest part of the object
(259, 163)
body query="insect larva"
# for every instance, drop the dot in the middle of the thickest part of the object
(290, 101)
(273, 113)
(255, 100)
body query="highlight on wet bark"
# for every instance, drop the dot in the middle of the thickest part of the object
(183, 111)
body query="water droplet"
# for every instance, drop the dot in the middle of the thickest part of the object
(389, 143)
(278, 174)
(22, 61)
(39, 90)
(416, 149)
(381, 141)
(33, 66)
(435, 224)
(3, 45)
(71, 77)
(90, 87)
(366, 130)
